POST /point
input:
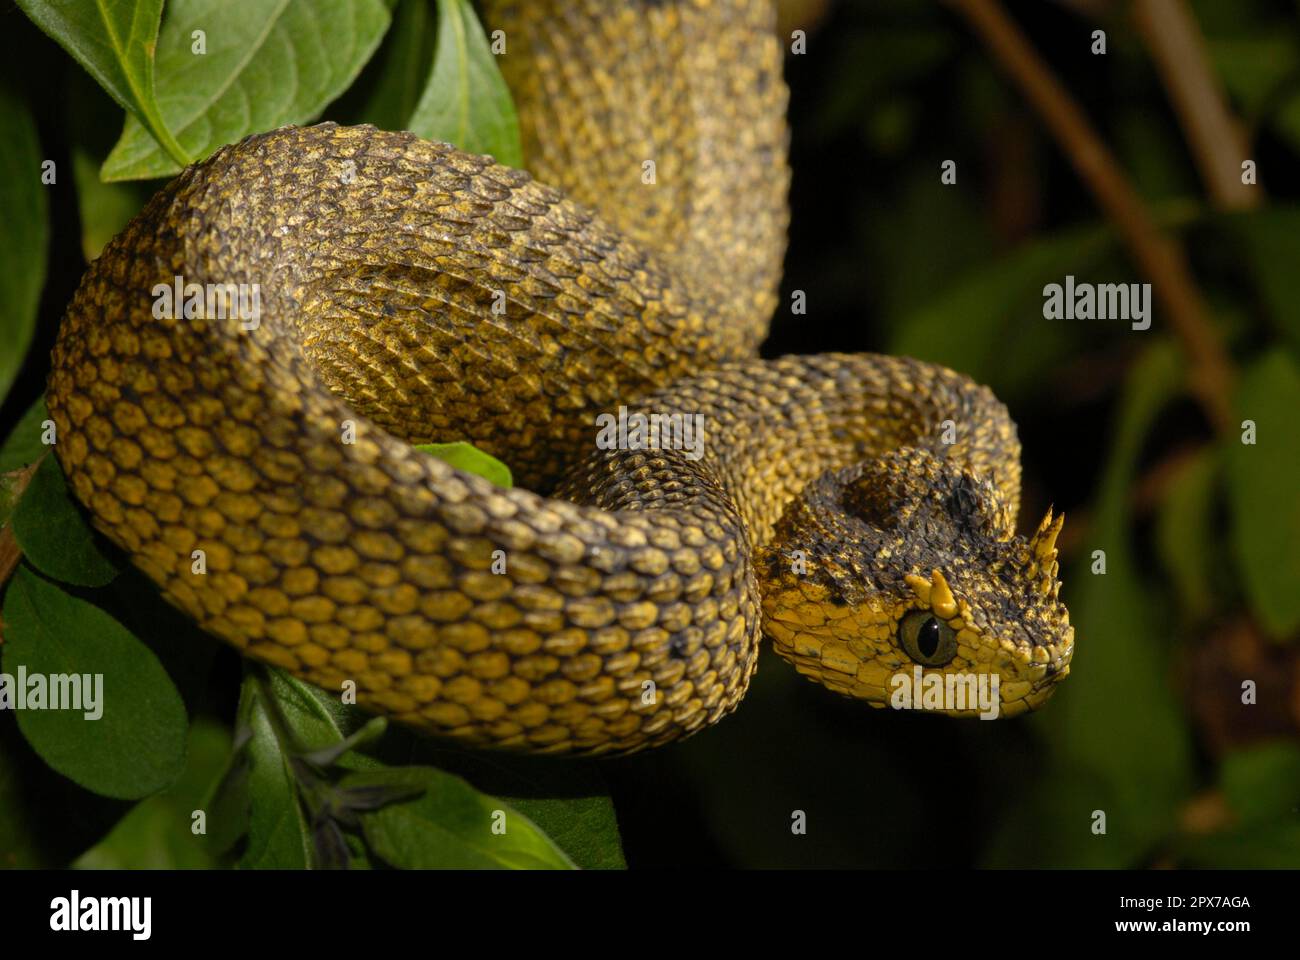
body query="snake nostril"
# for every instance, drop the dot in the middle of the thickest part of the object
(677, 647)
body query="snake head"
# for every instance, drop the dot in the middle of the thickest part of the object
(899, 581)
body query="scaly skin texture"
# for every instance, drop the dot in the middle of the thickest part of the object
(626, 611)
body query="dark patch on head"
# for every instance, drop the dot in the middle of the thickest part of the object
(964, 501)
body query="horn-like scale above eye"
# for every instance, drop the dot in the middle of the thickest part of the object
(927, 639)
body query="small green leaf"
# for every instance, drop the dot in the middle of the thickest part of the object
(267, 63)
(315, 719)
(24, 212)
(115, 41)
(23, 445)
(279, 836)
(450, 825)
(1263, 480)
(466, 456)
(158, 833)
(466, 101)
(54, 536)
(133, 744)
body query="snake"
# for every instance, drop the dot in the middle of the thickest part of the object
(858, 510)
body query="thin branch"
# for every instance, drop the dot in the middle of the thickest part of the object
(1158, 257)
(1174, 40)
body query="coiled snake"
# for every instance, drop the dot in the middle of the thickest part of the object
(859, 510)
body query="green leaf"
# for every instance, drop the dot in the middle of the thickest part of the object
(568, 800)
(405, 59)
(279, 836)
(23, 445)
(466, 456)
(105, 208)
(466, 101)
(1263, 480)
(1267, 238)
(158, 833)
(115, 41)
(135, 746)
(972, 324)
(316, 719)
(268, 63)
(450, 825)
(25, 237)
(54, 536)
(1186, 536)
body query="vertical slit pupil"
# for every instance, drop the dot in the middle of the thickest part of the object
(927, 638)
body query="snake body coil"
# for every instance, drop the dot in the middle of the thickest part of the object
(625, 611)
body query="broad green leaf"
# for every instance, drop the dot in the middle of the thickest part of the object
(115, 41)
(132, 743)
(158, 833)
(46, 820)
(568, 800)
(1267, 240)
(1186, 537)
(466, 456)
(997, 308)
(1264, 491)
(404, 60)
(450, 825)
(24, 237)
(466, 101)
(53, 534)
(279, 836)
(267, 63)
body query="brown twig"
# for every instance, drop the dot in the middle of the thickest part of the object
(1159, 258)
(10, 552)
(1173, 37)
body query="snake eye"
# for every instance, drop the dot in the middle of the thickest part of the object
(926, 639)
